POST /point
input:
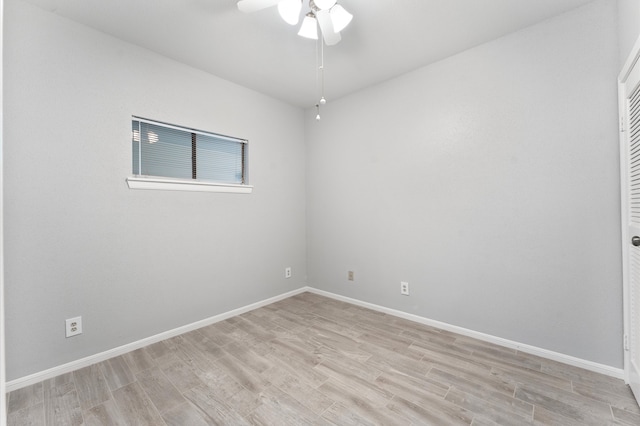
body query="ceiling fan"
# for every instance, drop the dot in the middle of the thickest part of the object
(326, 14)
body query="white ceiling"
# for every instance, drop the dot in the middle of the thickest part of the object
(260, 51)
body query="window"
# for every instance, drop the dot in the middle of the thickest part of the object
(173, 157)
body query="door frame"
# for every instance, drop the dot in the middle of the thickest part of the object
(634, 57)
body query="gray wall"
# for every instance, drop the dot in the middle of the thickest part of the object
(490, 182)
(132, 263)
(628, 26)
(3, 401)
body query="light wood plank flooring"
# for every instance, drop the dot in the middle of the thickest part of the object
(313, 360)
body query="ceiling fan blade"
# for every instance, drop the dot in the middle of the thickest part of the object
(248, 6)
(326, 26)
(290, 11)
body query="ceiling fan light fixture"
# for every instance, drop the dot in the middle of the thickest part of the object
(309, 27)
(329, 34)
(340, 18)
(325, 4)
(290, 10)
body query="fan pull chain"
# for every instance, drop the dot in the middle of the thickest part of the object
(322, 99)
(318, 75)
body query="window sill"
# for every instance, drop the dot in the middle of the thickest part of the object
(136, 182)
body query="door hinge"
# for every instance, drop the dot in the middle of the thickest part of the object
(621, 124)
(626, 342)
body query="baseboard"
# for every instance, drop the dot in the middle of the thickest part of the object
(533, 350)
(103, 356)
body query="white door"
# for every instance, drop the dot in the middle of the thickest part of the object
(629, 98)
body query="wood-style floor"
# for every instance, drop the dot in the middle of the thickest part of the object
(313, 360)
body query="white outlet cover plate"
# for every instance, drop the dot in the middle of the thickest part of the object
(73, 326)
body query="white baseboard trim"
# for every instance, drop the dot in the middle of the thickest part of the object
(103, 356)
(533, 350)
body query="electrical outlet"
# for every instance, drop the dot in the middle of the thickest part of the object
(287, 272)
(350, 276)
(404, 288)
(74, 326)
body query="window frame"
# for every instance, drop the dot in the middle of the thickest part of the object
(198, 185)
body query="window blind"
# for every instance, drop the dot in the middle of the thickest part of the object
(171, 151)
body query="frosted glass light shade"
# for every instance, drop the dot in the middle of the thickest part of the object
(290, 10)
(309, 27)
(340, 18)
(324, 4)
